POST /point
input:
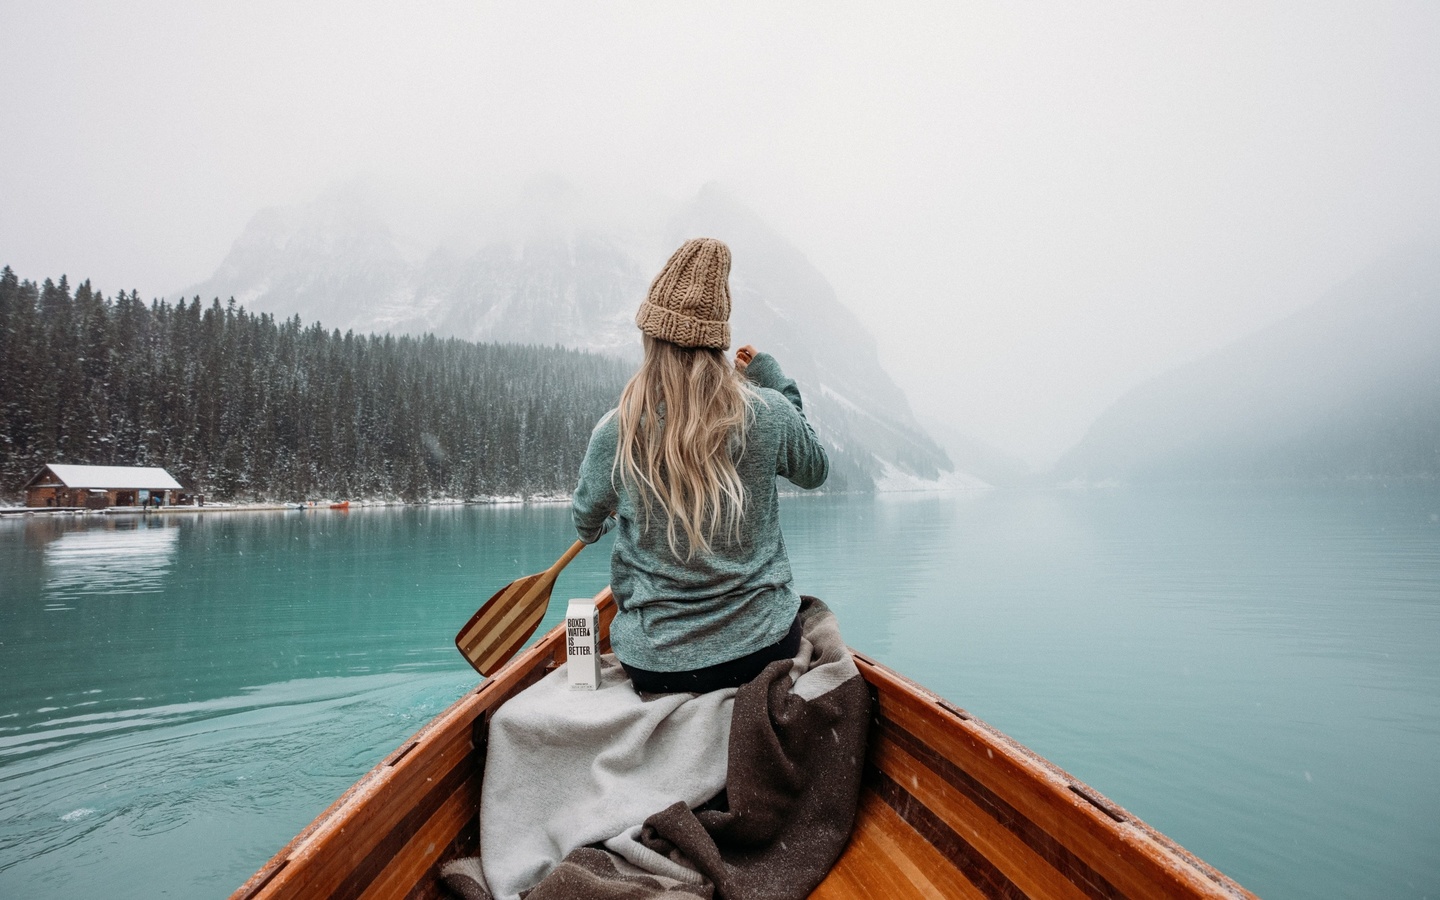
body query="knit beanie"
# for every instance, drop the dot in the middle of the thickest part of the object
(689, 301)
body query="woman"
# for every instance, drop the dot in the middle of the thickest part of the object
(686, 465)
(684, 470)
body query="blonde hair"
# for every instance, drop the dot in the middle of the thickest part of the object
(681, 417)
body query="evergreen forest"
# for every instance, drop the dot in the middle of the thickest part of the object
(241, 407)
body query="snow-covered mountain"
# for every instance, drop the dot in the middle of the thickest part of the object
(337, 261)
(549, 279)
(1348, 387)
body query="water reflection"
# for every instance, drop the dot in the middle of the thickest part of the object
(116, 560)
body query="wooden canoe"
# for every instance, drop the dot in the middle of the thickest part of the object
(951, 808)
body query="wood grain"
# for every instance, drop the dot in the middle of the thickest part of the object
(417, 858)
(1130, 856)
(886, 858)
(1016, 860)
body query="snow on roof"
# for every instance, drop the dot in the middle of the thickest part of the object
(124, 478)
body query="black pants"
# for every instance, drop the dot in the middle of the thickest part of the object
(721, 675)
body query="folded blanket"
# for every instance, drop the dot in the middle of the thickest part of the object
(731, 794)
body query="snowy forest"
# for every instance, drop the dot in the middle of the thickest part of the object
(240, 406)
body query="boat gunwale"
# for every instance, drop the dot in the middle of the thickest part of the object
(1171, 861)
(463, 714)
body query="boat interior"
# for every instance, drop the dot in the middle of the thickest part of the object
(951, 807)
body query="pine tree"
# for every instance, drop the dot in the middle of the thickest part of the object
(240, 406)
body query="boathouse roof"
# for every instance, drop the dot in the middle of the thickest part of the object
(123, 478)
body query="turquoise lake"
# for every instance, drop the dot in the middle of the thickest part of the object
(1253, 670)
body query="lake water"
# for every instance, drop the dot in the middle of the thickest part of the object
(1254, 671)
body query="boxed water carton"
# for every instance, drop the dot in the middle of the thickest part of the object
(582, 645)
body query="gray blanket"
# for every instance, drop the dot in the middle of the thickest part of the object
(732, 794)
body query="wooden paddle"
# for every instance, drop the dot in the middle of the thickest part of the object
(501, 627)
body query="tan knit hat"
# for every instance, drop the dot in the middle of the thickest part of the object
(689, 301)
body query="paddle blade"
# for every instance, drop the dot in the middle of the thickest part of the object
(501, 627)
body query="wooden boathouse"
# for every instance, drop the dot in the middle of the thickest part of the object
(101, 487)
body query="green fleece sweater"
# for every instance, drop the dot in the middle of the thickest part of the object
(674, 615)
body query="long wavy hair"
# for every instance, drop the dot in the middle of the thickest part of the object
(682, 421)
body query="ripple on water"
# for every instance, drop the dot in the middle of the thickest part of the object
(195, 780)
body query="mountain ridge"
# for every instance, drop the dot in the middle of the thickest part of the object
(553, 280)
(1346, 387)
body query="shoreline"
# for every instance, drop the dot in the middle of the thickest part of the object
(311, 506)
(893, 487)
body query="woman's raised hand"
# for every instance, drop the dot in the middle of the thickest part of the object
(743, 357)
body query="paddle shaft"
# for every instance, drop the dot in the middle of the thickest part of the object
(565, 558)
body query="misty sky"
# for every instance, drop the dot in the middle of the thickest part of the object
(1032, 206)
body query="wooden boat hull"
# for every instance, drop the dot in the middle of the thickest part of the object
(951, 808)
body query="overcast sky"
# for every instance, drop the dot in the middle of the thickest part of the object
(1032, 206)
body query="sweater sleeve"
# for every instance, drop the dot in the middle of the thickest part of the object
(801, 458)
(595, 498)
(765, 371)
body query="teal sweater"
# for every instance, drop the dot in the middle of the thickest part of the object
(673, 615)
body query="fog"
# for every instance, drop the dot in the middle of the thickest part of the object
(1032, 207)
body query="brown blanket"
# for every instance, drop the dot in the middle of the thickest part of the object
(795, 755)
